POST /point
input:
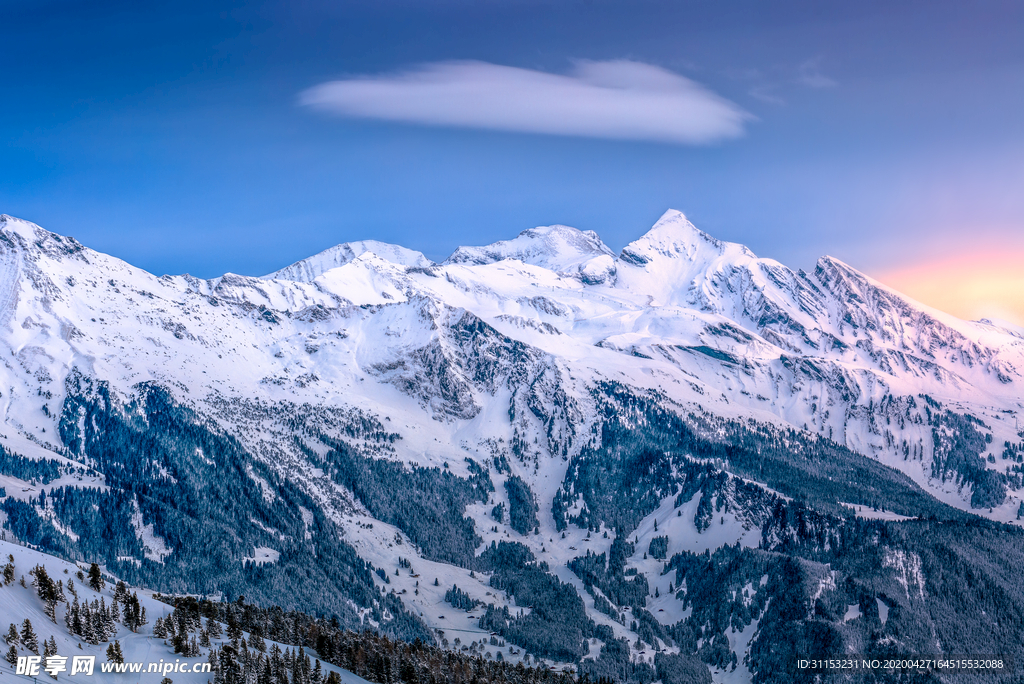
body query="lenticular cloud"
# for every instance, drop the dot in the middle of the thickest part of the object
(616, 99)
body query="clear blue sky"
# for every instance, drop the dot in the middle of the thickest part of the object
(173, 135)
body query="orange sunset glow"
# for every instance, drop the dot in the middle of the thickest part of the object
(971, 286)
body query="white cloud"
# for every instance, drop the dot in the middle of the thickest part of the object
(615, 99)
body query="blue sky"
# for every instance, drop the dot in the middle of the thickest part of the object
(175, 135)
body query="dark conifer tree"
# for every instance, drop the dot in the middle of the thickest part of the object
(28, 636)
(95, 577)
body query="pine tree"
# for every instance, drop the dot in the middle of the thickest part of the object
(112, 654)
(230, 670)
(180, 642)
(96, 620)
(169, 627)
(88, 631)
(128, 618)
(213, 627)
(28, 636)
(266, 674)
(234, 632)
(76, 618)
(49, 647)
(9, 570)
(213, 658)
(95, 577)
(12, 655)
(13, 637)
(107, 618)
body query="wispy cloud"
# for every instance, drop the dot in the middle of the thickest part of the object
(766, 93)
(811, 76)
(619, 99)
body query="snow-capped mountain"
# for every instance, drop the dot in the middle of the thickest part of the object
(308, 269)
(564, 250)
(540, 394)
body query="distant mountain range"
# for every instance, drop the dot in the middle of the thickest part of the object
(678, 462)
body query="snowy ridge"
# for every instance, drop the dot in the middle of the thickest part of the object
(556, 248)
(498, 355)
(677, 310)
(309, 269)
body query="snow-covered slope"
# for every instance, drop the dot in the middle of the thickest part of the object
(677, 310)
(508, 355)
(556, 248)
(339, 255)
(20, 601)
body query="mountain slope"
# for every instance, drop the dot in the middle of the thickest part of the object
(352, 428)
(138, 641)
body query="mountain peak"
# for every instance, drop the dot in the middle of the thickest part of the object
(562, 249)
(310, 268)
(33, 237)
(674, 236)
